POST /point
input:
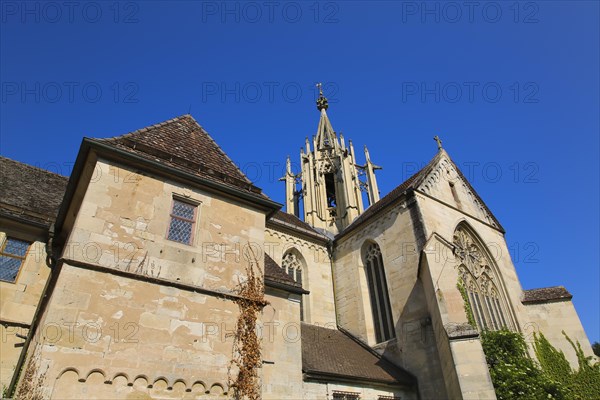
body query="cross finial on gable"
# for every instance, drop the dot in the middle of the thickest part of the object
(439, 141)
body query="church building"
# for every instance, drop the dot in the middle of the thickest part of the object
(128, 279)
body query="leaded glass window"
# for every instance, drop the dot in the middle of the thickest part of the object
(12, 255)
(378, 293)
(475, 271)
(183, 218)
(339, 395)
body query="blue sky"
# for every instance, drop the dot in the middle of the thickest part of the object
(512, 88)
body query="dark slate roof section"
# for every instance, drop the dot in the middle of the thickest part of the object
(333, 355)
(392, 196)
(276, 277)
(544, 295)
(183, 144)
(30, 194)
(294, 223)
(410, 184)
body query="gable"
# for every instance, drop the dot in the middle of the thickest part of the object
(183, 144)
(434, 180)
(443, 180)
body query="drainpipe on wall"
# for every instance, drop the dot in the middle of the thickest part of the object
(51, 263)
(330, 254)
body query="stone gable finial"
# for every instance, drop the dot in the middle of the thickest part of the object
(439, 141)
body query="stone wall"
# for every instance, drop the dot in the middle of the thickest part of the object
(397, 232)
(18, 302)
(102, 323)
(282, 348)
(318, 306)
(135, 314)
(325, 391)
(551, 318)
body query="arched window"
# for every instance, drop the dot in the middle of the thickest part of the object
(480, 282)
(292, 265)
(380, 301)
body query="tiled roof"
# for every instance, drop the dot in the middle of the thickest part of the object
(292, 222)
(394, 195)
(331, 353)
(274, 273)
(29, 193)
(543, 295)
(183, 144)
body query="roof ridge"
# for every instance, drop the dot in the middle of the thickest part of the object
(409, 182)
(176, 119)
(153, 126)
(305, 226)
(361, 343)
(547, 287)
(35, 168)
(220, 150)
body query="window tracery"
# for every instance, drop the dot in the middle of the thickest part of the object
(292, 266)
(380, 301)
(476, 273)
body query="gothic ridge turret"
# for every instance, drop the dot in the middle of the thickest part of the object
(330, 179)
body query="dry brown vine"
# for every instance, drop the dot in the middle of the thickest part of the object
(246, 343)
(31, 383)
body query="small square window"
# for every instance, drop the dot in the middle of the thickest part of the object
(183, 219)
(12, 255)
(339, 395)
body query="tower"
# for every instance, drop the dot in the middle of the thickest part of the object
(330, 179)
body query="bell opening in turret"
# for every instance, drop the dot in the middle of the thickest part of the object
(330, 190)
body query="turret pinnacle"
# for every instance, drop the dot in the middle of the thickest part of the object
(326, 137)
(322, 100)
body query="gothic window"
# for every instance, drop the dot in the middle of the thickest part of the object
(480, 282)
(12, 255)
(292, 266)
(380, 301)
(183, 219)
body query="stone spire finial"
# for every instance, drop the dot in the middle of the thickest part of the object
(322, 100)
(439, 141)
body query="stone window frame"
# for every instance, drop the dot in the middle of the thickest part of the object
(481, 281)
(292, 264)
(189, 202)
(342, 395)
(298, 271)
(4, 253)
(381, 309)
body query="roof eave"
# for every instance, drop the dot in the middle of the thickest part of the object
(275, 223)
(329, 376)
(283, 286)
(105, 150)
